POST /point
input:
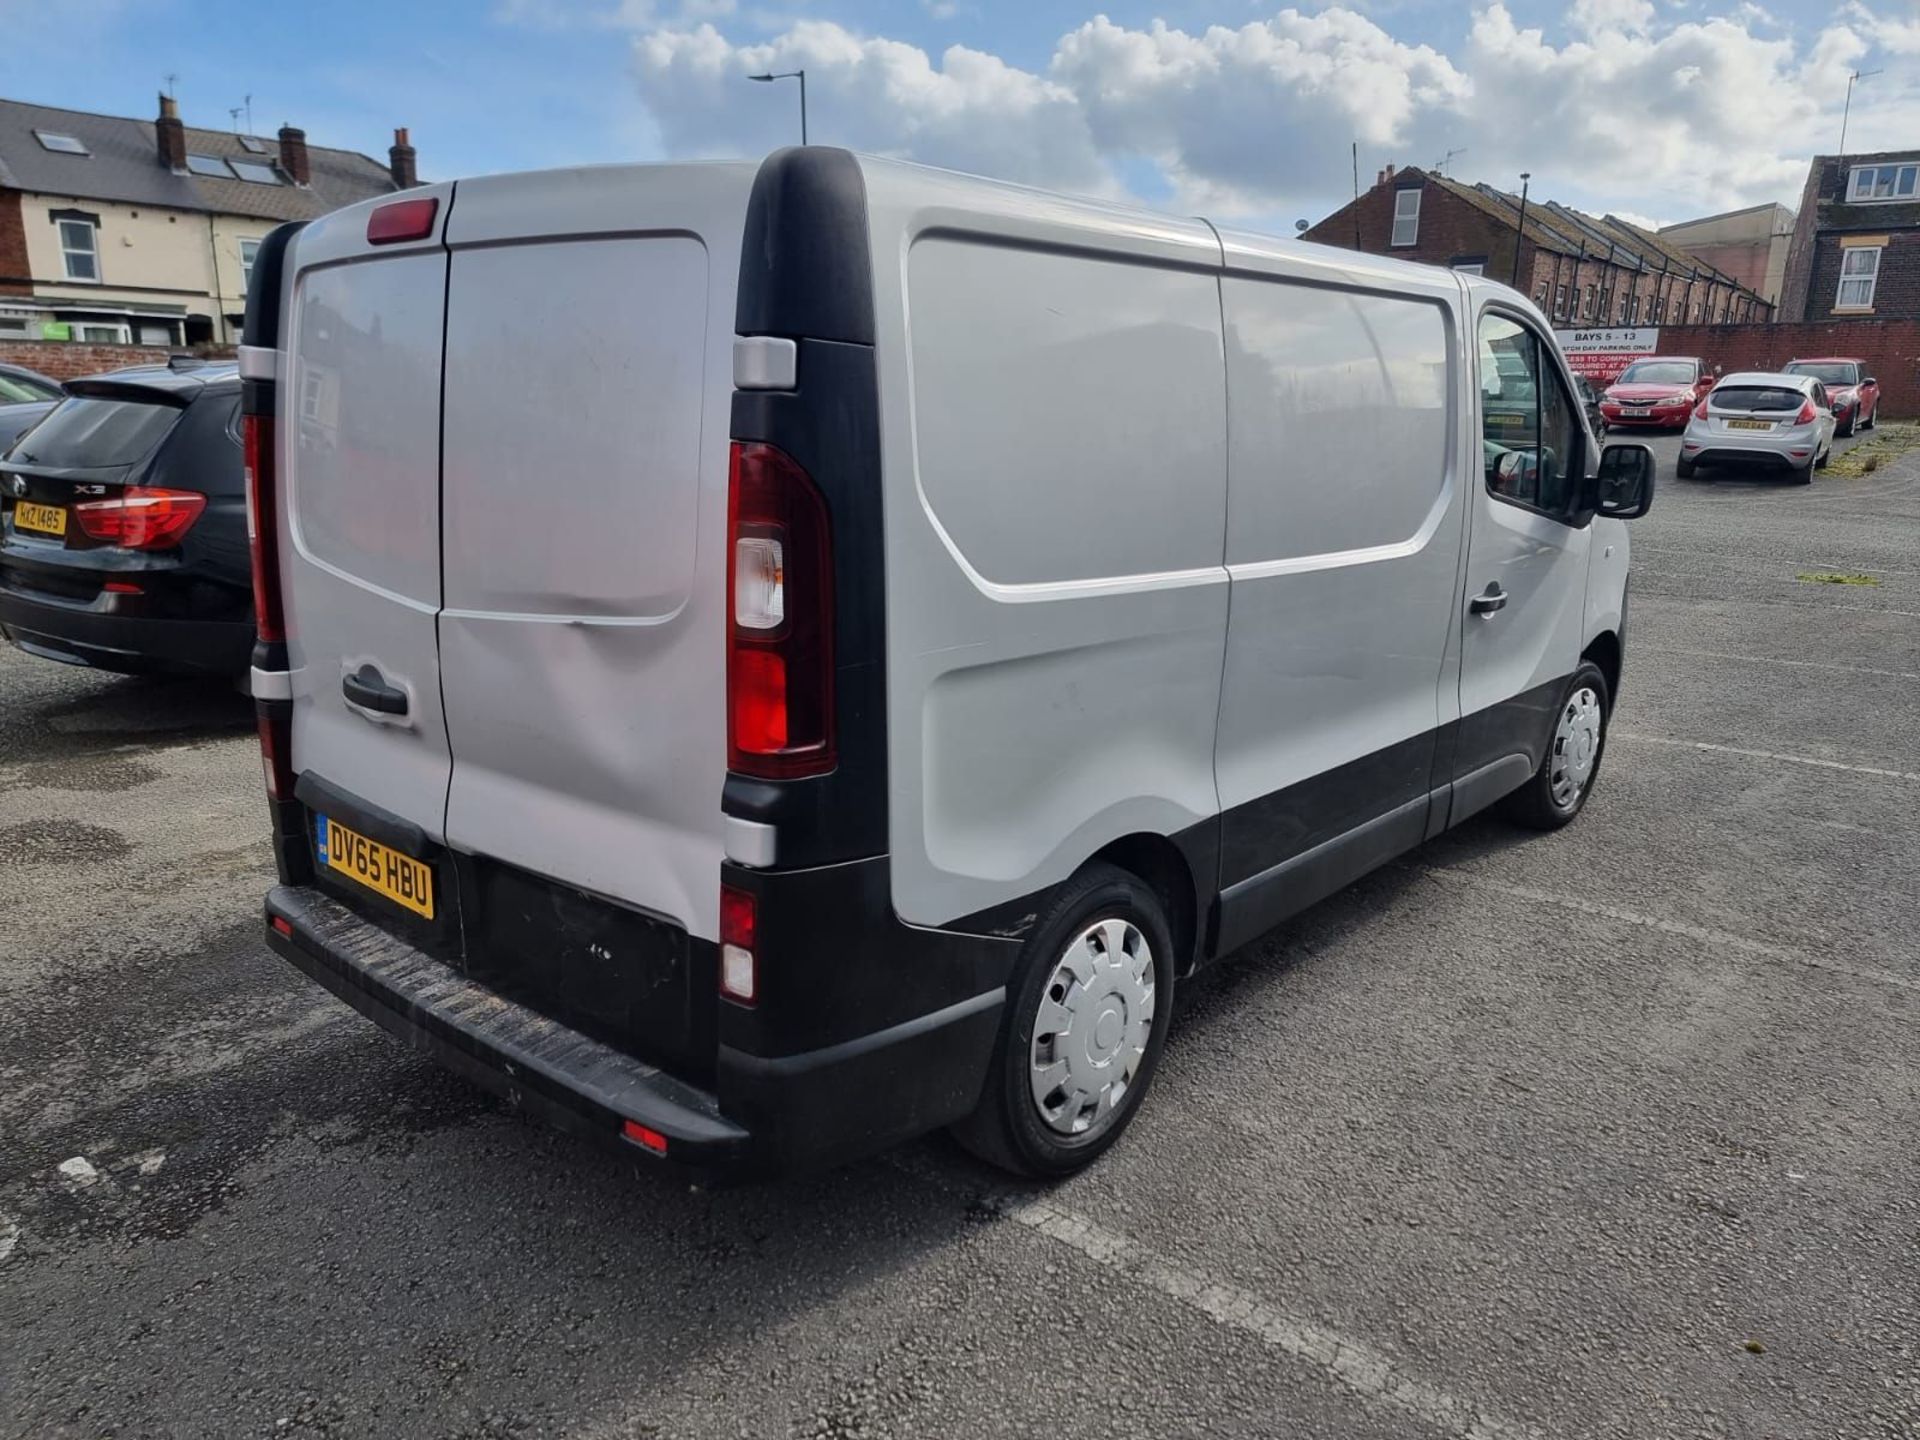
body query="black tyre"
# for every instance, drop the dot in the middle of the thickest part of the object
(1559, 788)
(1084, 1025)
(1683, 468)
(1820, 460)
(1873, 420)
(1847, 430)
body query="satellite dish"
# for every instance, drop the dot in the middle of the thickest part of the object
(1299, 227)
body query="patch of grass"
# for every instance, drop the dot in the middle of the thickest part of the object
(1836, 577)
(1885, 442)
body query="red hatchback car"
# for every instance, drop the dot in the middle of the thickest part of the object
(1660, 390)
(1853, 393)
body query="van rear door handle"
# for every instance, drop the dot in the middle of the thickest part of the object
(368, 689)
(1492, 599)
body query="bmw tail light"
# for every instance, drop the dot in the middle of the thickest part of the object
(141, 517)
(780, 723)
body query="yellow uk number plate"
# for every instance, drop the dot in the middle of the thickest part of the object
(41, 519)
(1749, 424)
(382, 869)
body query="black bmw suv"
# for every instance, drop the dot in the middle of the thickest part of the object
(124, 540)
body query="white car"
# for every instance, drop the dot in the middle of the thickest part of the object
(1761, 419)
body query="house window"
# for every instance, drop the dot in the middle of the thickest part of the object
(95, 333)
(1406, 216)
(1471, 267)
(1882, 182)
(60, 144)
(1559, 302)
(1540, 295)
(211, 165)
(1592, 295)
(1859, 269)
(79, 247)
(254, 171)
(249, 252)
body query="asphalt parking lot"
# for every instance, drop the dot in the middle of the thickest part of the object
(1604, 1133)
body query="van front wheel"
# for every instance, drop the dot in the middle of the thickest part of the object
(1559, 788)
(1081, 1035)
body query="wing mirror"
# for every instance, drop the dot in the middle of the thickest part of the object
(1626, 481)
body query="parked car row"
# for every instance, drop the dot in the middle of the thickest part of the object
(25, 398)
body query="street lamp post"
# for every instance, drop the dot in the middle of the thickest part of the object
(1520, 231)
(799, 75)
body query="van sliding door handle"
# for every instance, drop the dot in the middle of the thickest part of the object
(1492, 599)
(369, 690)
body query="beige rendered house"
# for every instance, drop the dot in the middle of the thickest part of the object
(143, 232)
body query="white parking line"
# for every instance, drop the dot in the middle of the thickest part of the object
(9, 1235)
(1360, 1368)
(1449, 875)
(1776, 660)
(1809, 760)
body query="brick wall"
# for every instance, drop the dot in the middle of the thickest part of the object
(14, 269)
(65, 360)
(1891, 349)
(1896, 293)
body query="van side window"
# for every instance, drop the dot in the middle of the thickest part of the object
(1530, 436)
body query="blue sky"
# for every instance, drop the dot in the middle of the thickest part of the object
(1660, 109)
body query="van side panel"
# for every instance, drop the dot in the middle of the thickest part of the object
(1053, 413)
(582, 648)
(1344, 543)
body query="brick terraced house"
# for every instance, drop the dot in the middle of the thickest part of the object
(1856, 244)
(1582, 270)
(135, 232)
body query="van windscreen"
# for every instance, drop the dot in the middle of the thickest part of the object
(85, 433)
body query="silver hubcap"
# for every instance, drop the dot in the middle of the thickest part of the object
(1090, 1036)
(1576, 746)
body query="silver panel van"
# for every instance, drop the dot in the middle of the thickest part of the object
(761, 661)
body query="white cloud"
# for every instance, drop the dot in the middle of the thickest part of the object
(971, 111)
(1639, 109)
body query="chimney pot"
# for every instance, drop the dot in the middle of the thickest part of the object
(400, 161)
(170, 136)
(293, 155)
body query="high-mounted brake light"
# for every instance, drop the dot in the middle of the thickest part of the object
(402, 220)
(262, 529)
(780, 618)
(140, 517)
(739, 971)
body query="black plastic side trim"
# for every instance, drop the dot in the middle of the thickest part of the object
(1258, 903)
(1520, 725)
(1476, 790)
(377, 824)
(784, 1066)
(831, 425)
(837, 964)
(804, 266)
(1259, 834)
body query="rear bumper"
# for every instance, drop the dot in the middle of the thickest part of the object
(85, 635)
(766, 1114)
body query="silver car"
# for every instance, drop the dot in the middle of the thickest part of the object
(1761, 419)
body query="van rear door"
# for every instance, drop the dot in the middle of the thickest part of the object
(589, 376)
(360, 556)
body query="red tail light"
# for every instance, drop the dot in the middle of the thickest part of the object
(739, 970)
(1805, 417)
(276, 766)
(263, 521)
(402, 220)
(141, 517)
(780, 618)
(1700, 410)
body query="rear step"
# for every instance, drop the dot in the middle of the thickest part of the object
(538, 1064)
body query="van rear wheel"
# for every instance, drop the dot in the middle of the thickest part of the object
(1082, 1031)
(1559, 788)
